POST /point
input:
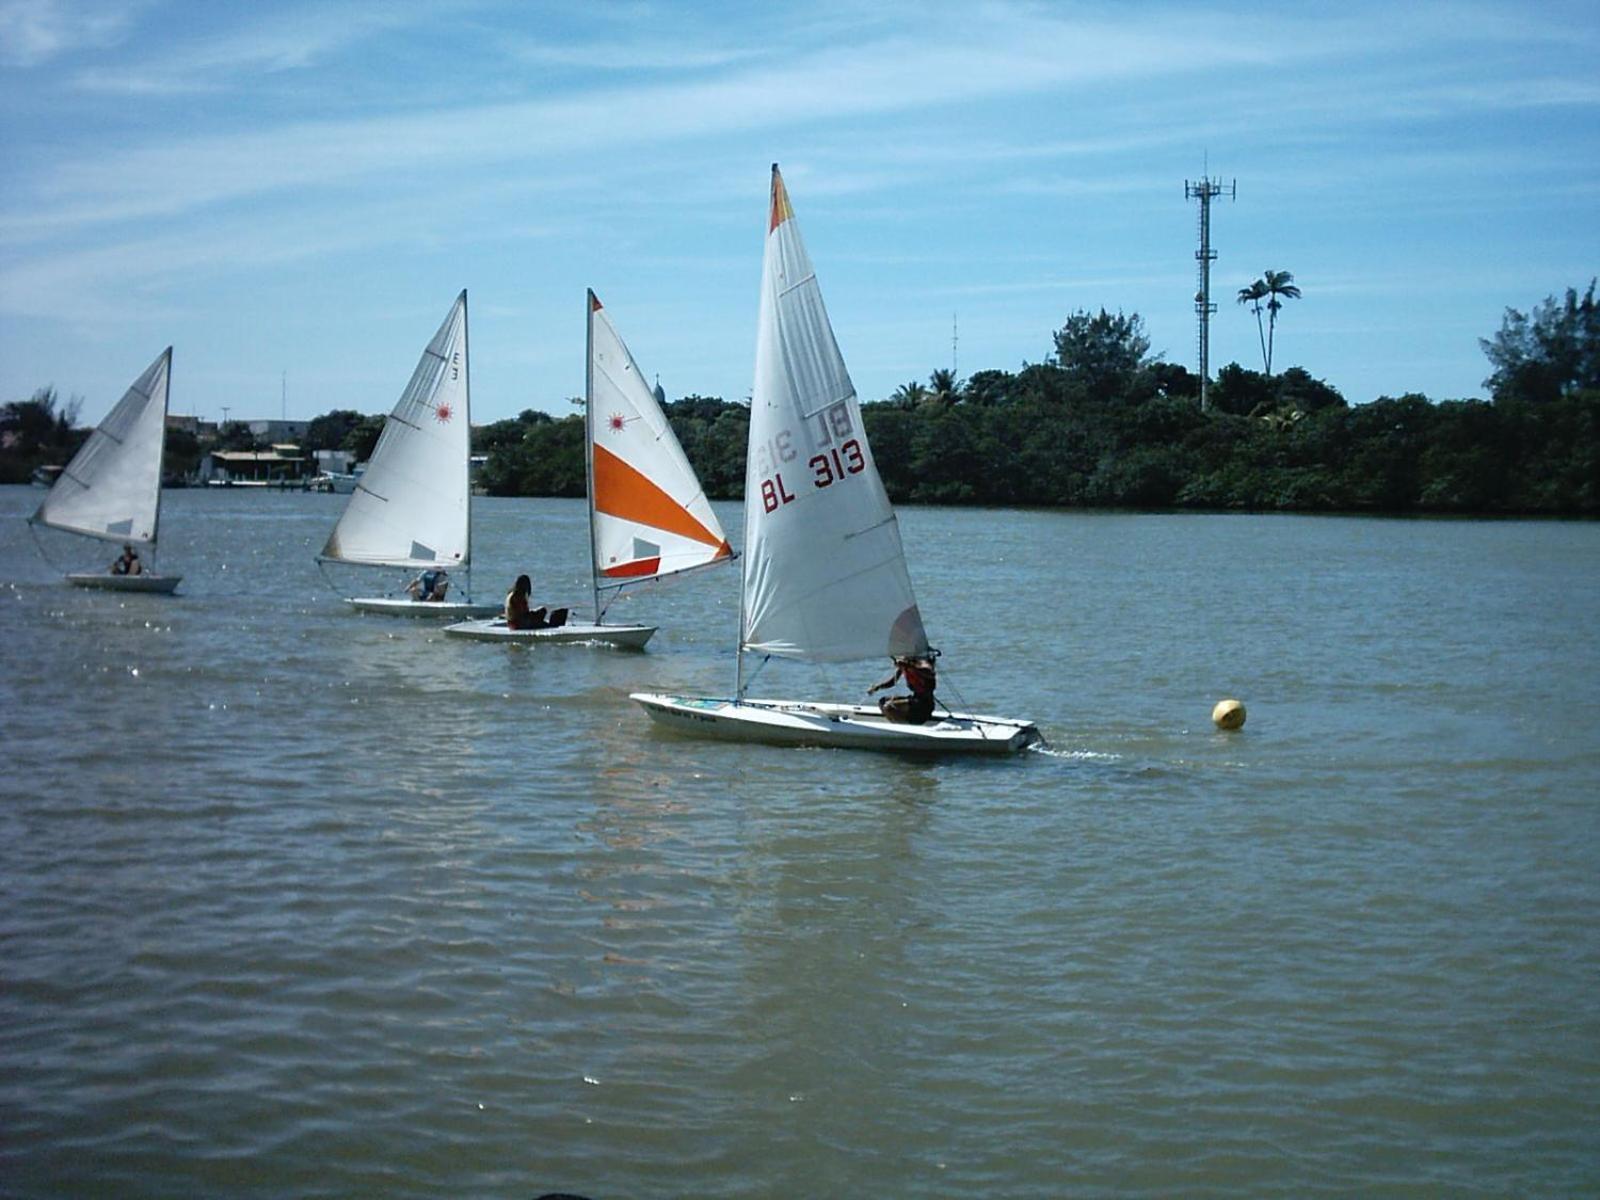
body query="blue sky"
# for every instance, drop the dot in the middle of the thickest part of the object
(303, 188)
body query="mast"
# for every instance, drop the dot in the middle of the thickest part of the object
(466, 362)
(744, 572)
(738, 651)
(590, 306)
(738, 644)
(161, 463)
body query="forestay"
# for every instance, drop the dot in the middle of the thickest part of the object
(412, 506)
(112, 487)
(824, 575)
(649, 514)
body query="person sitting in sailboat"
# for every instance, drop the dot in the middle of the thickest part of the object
(127, 563)
(430, 585)
(519, 616)
(920, 677)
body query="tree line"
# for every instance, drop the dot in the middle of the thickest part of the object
(1103, 423)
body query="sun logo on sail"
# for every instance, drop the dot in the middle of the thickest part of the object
(617, 421)
(442, 413)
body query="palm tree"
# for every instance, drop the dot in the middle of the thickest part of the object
(944, 386)
(1277, 284)
(1254, 295)
(909, 395)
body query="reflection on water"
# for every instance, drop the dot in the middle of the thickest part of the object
(297, 901)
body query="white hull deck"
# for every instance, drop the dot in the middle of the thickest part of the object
(107, 582)
(849, 726)
(624, 637)
(436, 610)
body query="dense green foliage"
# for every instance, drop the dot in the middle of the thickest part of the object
(236, 435)
(333, 429)
(1104, 425)
(1553, 352)
(533, 455)
(37, 432)
(1103, 354)
(181, 456)
(1039, 438)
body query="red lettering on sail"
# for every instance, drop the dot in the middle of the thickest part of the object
(829, 468)
(773, 494)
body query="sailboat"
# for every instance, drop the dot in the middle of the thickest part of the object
(412, 508)
(825, 578)
(648, 515)
(111, 490)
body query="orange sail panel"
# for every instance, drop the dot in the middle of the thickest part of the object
(781, 211)
(622, 492)
(638, 569)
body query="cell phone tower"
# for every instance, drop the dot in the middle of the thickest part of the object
(1204, 190)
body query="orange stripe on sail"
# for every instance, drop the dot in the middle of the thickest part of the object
(623, 492)
(639, 566)
(781, 211)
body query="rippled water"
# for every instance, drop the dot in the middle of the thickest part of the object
(299, 902)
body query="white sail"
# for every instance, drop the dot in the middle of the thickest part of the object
(825, 576)
(648, 513)
(112, 487)
(412, 507)
(824, 573)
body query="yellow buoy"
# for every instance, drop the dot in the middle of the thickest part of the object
(1228, 714)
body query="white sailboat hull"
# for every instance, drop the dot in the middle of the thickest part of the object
(624, 637)
(846, 726)
(438, 610)
(106, 582)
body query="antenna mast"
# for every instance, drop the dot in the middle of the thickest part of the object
(1204, 190)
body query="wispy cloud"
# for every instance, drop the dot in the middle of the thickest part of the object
(281, 42)
(33, 32)
(1017, 50)
(1021, 55)
(111, 282)
(632, 54)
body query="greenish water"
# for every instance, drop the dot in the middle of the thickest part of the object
(298, 902)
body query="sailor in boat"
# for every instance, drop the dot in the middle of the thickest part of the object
(921, 679)
(127, 563)
(519, 616)
(430, 586)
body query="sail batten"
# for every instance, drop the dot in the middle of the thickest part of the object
(825, 576)
(415, 495)
(811, 278)
(111, 490)
(649, 517)
(891, 519)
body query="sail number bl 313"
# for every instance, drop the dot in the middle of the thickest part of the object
(826, 469)
(832, 463)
